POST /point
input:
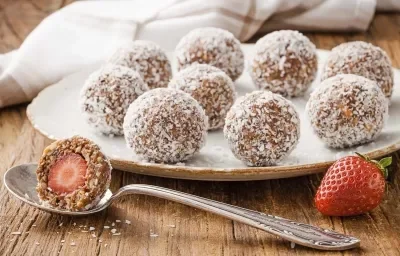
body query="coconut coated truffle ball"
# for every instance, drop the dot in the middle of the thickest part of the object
(165, 126)
(211, 87)
(106, 96)
(213, 46)
(347, 110)
(262, 128)
(363, 59)
(285, 62)
(73, 174)
(148, 59)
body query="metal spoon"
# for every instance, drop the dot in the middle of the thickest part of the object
(21, 182)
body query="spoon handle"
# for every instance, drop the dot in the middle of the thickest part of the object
(298, 233)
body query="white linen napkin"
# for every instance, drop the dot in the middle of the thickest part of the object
(87, 32)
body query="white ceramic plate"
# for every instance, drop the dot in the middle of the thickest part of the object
(55, 113)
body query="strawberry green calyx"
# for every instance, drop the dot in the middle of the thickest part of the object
(381, 164)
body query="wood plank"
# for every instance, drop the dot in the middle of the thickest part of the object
(159, 227)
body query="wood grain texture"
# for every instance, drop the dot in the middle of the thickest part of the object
(159, 227)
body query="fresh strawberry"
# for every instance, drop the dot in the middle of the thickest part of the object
(352, 185)
(67, 173)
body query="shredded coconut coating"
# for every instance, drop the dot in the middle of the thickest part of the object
(347, 110)
(363, 59)
(262, 128)
(211, 87)
(165, 126)
(148, 59)
(213, 46)
(285, 62)
(98, 175)
(106, 96)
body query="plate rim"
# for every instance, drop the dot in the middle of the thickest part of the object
(209, 173)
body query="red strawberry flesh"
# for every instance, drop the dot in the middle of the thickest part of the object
(351, 186)
(67, 174)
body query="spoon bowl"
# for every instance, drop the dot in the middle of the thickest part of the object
(21, 182)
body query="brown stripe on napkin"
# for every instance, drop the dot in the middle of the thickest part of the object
(222, 10)
(292, 13)
(250, 23)
(277, 21)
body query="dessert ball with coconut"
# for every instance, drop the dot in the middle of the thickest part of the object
(73, 174)
(347, 110)
(106, 96)
(148, 59)
(363, 59)
(262, 128)
(213, 46)
(211, 87)
(285, 62)
(165, 126)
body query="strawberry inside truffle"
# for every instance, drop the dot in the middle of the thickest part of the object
(73, 174)
(67, 174)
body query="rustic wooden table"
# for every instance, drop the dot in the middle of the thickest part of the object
(159, 227)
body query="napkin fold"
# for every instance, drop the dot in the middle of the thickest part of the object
(87, 32)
